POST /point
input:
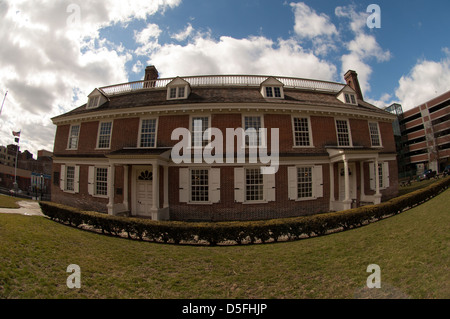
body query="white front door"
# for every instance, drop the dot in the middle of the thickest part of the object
(352, 180)
(144, 191)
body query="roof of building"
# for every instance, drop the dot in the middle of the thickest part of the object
(217, 89)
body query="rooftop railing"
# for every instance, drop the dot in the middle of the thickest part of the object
(224, 80)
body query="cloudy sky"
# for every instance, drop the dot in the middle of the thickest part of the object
(53, 53)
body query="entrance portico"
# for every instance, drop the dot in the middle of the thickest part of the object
(141, 183)
(347, 162)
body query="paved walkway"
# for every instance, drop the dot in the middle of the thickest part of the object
(27, 208)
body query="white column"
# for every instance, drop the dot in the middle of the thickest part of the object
(166, 186)
(155, 204)
(346, 181)
(332, 199)
(125, 187)
(363, 195)
(111, 172)
(377, 195)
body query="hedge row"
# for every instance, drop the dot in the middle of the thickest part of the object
(229, 233)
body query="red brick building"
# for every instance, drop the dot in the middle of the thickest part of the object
(117, 153)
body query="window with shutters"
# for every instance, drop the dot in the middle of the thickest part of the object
(304, 182)
(254, 185)
(70, 178)
(101, 181)
(383, 175)
(199, 185)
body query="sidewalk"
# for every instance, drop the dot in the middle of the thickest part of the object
(27, 208)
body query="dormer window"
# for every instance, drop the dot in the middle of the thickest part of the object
(178, 89)
(347, 96)
(272, 89)
(96, 99)
(93, 102)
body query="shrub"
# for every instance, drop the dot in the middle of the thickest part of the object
(239, 232)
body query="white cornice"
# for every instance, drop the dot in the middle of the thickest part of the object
(282, 108)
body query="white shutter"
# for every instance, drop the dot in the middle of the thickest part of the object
(214, 185)
(269, 187)
(91, 181)
(372, 175)
(109, 181)
(292, 183)
(317, 181)
(184, 185)
(62, 178)
(385, 174)
(76, 184)
(239, 185)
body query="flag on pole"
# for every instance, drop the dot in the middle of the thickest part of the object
(17, 134)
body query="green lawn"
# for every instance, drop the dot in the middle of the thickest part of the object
(8, 202)
(412, 250)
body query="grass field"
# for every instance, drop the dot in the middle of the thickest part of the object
(412, 250)
(8, 202)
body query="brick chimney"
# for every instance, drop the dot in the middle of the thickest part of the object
(151, 74)
(351, 77)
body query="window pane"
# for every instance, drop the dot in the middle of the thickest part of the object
(148, 133)
(73, 139)
(374, 134)
(347, 98)
(269, 92)
(304, 180)
(353, 99)
(173, 93)
(252, 122)
(70, 178)
(199, 185)
(199, 126)
(101, 181)
(181, 91)
(277, 91)
(301, 132)
(342, 132)
(105, 134)
(254, 186)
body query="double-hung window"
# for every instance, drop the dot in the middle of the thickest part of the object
(199, 126)
(148, 133)
(104, 135)
(101, 181)
(252, 126)
(254, 185)
(273, 92)
(199, 185)
(304, 182)
(70, 178)
(343, 133)
(374, 134)
(301, 132)
(73, 137)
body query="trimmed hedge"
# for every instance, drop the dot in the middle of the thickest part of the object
(232, 233)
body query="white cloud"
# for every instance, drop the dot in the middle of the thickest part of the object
(183, 35)
(253, 55)
(426, 80)
(309, 24)
(362, 49)
(53, 56)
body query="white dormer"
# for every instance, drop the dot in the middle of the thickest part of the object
(96, 99)
(178, 89)
(272, 89)
(348, 96)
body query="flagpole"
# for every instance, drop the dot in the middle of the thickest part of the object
(1, 109)
(15, 168)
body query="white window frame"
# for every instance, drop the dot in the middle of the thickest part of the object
(66, 177)
(110, 135)
(178, 89)
(191, 130)
(257, 201)
(316, 182)
(378, 133)
(76, 179)
(271, 88)
(95, 193)
(262, 139)
(348, 129)
(311, 145)
(350, 98)
(383, 174)
(208, 186)
(69, 142)
(93, 102)
(141, 122)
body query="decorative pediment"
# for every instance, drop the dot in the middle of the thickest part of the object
(178, 89)
(272, 88)
(96, 99)
(347, 95)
